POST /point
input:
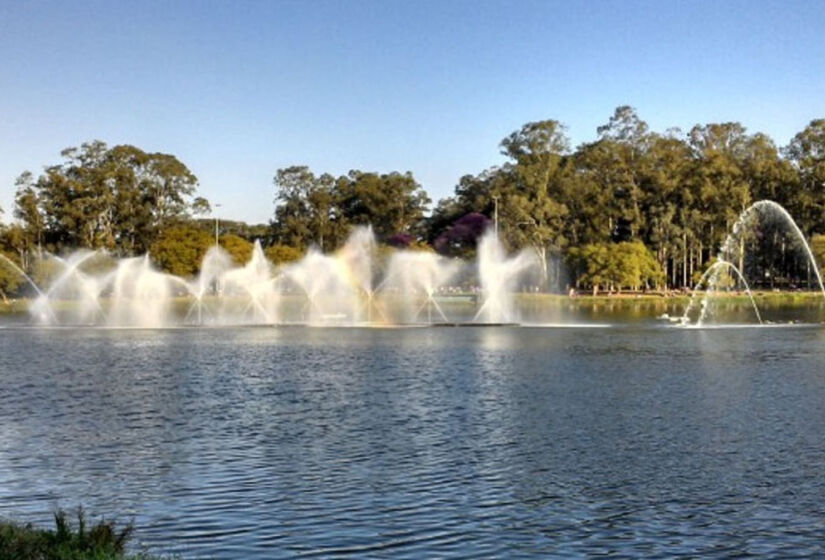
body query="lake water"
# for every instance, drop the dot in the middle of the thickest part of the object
(423, 442)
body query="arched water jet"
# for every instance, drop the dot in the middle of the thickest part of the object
(734, 245)
(19, 271)
(744, 220)
(42, 301)
(71, 266)
(708, 279)
(86, 291)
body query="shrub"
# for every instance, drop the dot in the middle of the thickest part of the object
(68, 541)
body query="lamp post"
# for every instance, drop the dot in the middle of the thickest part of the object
(216, 224)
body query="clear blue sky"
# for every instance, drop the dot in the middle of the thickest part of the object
(238, 89)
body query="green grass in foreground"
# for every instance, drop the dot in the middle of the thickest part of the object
(68, 541)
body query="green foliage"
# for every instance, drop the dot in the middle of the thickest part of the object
(531, 199)
(10, 278)
(250, 232)
(43, 270)
(722, 278)
(636, 266)
(807, 154)
(180, 249)
(282, 254)
(238, 248)
(321, 210)
(307, 209)
(99, 197)
(679, 194)
(591, 264)
(615, 266)
(391, 203)
(68, 541)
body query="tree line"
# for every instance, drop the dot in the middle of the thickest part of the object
(633, 208)
(677, 194)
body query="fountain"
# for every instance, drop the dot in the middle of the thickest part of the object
(330, 298)
(734, 250)
(757, 212)
(498, 275)
(247, 294)
(72, 284)
(711, 280)
(8, 262)
(215, 264)
(140, 295)
(350, 287)
(353, 286)
(415, 278)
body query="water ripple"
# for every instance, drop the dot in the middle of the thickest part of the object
(461, 443)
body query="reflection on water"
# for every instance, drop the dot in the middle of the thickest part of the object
(490, 442)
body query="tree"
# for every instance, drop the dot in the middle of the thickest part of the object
(462, 237)
(532, 192)
(116, 198)
(589, 217)
(721, 187)
(667, 200)
(617, 161)
(179, 250)
(250, 232)
(768, 174)
(10, 263)
(614, 266)
(391, 203)
(27, 210)
(473, 194)
(624, 127)
(606, 186)
(677, 195)
(806, 152)
(10, 277)
(282, 254)
(14, 238)
(307, 209)
(238, 248)
(720, 151)
(633, 266)
(591, 265)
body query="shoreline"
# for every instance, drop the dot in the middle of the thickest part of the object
(20, 306)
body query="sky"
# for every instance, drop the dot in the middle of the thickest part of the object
(238, 89)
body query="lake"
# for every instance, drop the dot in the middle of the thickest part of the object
(642, 440)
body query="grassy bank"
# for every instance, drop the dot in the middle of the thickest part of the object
(645, 304)
(13, 306)
(71, 539)
(683, 298)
